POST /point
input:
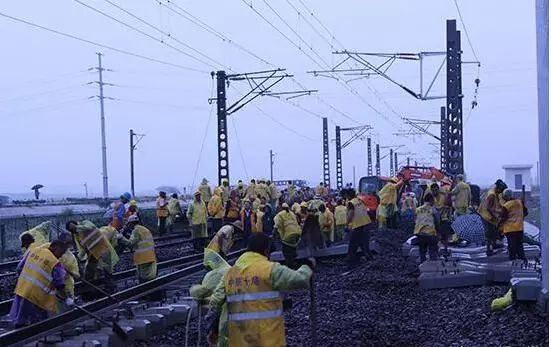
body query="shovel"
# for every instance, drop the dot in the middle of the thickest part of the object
(117, 329)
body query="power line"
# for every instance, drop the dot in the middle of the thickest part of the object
(143, 33)
(239, 148)
(198, 22)
(465, 30)
(163, 32)
(95, 43)
(204, 136)
(320, 23)
(285, 126)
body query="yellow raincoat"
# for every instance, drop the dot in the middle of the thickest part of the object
(205, 191)
(462, 194)
(327, 225)
(215, 206)
(40, 233)
(288, 228)
(70, 263)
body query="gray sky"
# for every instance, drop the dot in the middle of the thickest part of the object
(51, 131)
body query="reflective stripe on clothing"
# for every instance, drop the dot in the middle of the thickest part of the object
(255, 315)
(36, 281)
(145, 251)
(424, 221)
(253, 296)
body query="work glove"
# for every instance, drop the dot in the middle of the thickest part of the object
(69, 302)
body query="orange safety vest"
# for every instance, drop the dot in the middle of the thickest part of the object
(145, 252)
(35, 281)
(255, 309)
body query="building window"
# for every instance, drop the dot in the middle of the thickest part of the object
(518, 181)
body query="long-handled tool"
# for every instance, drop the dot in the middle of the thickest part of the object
(99, 289)
(313, 314)
(117, 329)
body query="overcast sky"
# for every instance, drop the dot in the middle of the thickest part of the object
(50, 129)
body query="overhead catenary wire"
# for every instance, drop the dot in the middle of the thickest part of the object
(198, 22)
(239, 148)
(98, 44)
(169, 35)
(143, 33)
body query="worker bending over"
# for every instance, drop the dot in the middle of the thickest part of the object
(387, 207)
(426, 225)
(221, 244)
(94, 249)
(40, 234)
(490, 210)
(252, 290)
(513, 225)
(41, 280)
(141, 242)
(289, 231)
(197, 216)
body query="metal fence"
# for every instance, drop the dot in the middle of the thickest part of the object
(11, 228)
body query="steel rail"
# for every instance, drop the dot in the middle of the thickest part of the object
(46, 327)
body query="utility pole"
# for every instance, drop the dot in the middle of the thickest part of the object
(103, 144)
(257, 89)
(354, 174)
(396, 163)
(377, 160)
(132, 149)
(369, 159)
(339, 156)
(272, 155)
(408, 161)
(223, 155)
(391, 164)
(326, 167)
(86, 189)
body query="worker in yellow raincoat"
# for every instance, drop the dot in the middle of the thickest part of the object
(490, 210)
(387, 207)
(290, 232)
(218, 335)
(94, 249)
(291, 190)
(204, 188)
(426, 225)
(216, 210)
(340, 219)
(221, 244)
(143, 246)
(197, 216)
(462, 196)
(224, 191)
(40, 234)
(174, 211)
(327, 225)
(252, 290)
(250, 192)
(70, 263)
(513, 225)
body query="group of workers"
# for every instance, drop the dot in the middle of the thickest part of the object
(48, 270)
(501, 214)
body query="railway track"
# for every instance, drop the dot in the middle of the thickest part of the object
(130, 312)
(8, 268)
(124, 278)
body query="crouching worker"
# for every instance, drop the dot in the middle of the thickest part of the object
(218, 327)
(252, 291)
(141, 242)
(41, 280)
(426, 224)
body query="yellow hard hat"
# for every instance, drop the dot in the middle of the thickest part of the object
(304, 204)
(133, 203)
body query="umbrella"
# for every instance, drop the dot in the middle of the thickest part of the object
(471, 228)
(168, 189)
(37, 186)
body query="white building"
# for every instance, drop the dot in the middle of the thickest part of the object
(518, 175)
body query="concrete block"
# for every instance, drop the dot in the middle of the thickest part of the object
(527, 289)
(141, 328)
(158, 322)
(434, 280)
(79, 342)
(180, 312)
(106, 337)
(166, 311)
